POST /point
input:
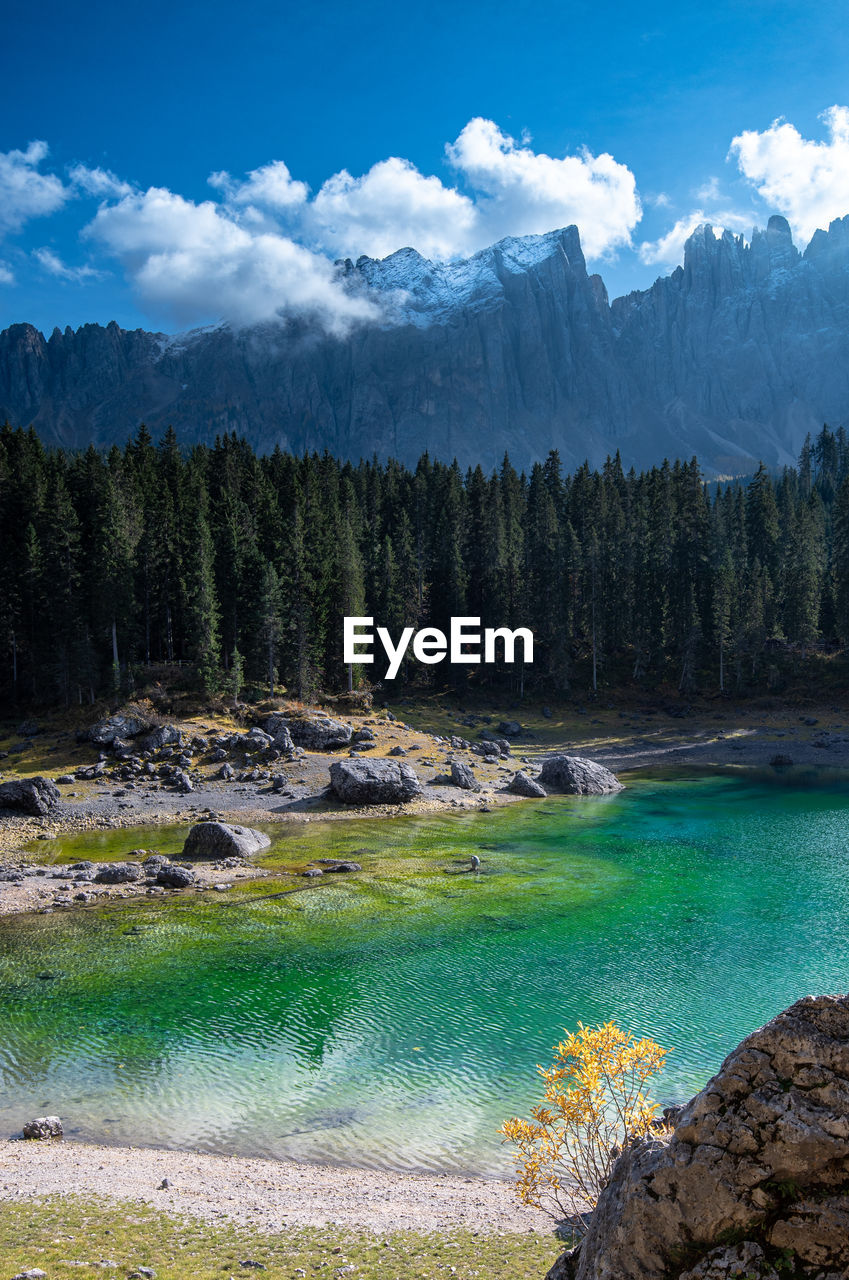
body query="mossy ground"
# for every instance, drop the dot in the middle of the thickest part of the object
(56, 1234)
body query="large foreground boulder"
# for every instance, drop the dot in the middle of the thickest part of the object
(36, 796)
(223, 840)
(364, 781)
(577, 777)
(753, 1180)
(316, 731)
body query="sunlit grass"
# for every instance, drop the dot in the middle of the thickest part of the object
(57, 1233)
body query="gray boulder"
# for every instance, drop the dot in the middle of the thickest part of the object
(277, 728)
(107, 730)
(173, 876)
(510, 728)
(577, 777)
(223, 840)
(757, 1160)
(463, 777)
(166, 735)
(523, 785)
(367, 781)
(29, 795)
(118, 873)
(44, 1127)
(316, 731)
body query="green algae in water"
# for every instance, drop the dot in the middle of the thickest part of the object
(396, 1017)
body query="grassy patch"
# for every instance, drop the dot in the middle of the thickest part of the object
(54, 1232)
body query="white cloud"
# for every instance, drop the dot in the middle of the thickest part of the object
(668, 250)
(194, 261)
(24, 192)
(54, 266)
(708, 191)
(271, 187)
(527, 193)
(391, 207)
(263, 247)
(99, 182)
(6, 274)
(807, 181)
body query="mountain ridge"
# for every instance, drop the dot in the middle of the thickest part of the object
(733, 357)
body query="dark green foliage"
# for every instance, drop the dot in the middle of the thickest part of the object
(243, 567)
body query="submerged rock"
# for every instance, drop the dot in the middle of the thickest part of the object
(223, 840)
(367, 781)
(35, 796)
(523, 785)
(577, 777)
(758, 1158)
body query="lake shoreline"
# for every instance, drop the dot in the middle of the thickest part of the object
(659, 743)
(267, 1194)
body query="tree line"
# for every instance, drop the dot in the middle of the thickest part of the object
(242, 567)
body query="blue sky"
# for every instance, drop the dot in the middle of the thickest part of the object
(367, 128)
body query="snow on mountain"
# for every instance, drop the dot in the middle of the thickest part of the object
(733, 357)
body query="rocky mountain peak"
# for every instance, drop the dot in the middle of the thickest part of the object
(734, 358)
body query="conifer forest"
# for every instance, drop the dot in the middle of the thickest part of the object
(240, 568)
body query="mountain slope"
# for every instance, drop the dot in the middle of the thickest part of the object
(733, 357)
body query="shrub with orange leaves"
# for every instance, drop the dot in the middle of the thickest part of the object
(594, 1104)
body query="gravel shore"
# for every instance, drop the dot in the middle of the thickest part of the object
(267, 1194)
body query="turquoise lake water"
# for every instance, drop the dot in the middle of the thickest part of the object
(396, 1018)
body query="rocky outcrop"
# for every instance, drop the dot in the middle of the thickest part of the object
(576, 776)
(35, 796)
(223, 840)
(366, 781)
(523, 785)
(753, 1180)
(316, 731)
(733, 357)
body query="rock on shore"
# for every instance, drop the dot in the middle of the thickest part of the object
(374, 782)
(577, 776)
(755, 1170)
(35, 796)
(223, 840)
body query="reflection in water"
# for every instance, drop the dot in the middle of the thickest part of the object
(396, 1018)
